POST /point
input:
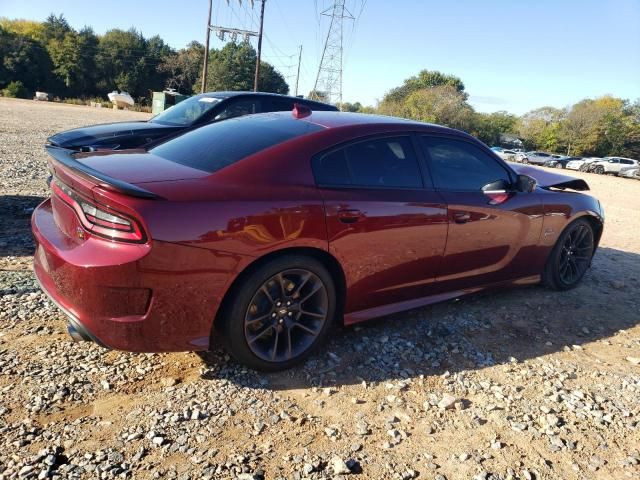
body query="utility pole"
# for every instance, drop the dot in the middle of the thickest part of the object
(329, 78)
(298, 74)
(206, 51)
(257, 76)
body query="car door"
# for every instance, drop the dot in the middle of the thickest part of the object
(490, 238)
(613, 165)
(386, 225)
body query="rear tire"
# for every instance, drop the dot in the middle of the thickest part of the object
(571, 256)
(280, 313)
(599, 170)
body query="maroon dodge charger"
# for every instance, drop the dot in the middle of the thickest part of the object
(266, 229)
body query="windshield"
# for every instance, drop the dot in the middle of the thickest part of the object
(187, 111)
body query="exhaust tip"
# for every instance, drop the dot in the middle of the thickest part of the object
(75, 334)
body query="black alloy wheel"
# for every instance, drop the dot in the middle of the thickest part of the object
(571, 256)
(280, 313)
(286, 315)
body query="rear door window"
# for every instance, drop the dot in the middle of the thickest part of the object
(389, 162)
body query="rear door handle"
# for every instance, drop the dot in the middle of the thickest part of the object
(349, 215)
(461, 217)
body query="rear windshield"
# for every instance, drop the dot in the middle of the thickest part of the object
(217, 145)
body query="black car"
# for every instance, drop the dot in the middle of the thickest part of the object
(190, 113)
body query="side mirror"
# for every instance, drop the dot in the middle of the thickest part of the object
(526, 184)
(497, 192)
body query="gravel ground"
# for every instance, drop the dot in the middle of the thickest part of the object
(521, 384)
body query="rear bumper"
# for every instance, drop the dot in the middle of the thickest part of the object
(156, 297)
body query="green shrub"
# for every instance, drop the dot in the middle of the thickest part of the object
(15, 90)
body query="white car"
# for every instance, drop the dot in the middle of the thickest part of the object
(581, 164)
(613, 165)
(630, 172)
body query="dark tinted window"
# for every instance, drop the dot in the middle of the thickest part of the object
(219, 144)
(460, 166)
(385, 162)
(278, 105)
(238, 108)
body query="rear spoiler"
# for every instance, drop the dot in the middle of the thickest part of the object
(66, 158)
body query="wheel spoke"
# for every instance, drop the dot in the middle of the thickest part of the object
(302, 284)
(312, 314)
(259, 334)
(265, 290)
(307, 329)
(275, 345)
(283, 288)
(289, 347)
(256, 320)
(316, 288)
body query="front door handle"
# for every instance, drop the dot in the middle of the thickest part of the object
(461, 217)
(349, 215)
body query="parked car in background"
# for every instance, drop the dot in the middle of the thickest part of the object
(578, 163)
(265, 230)
(538, 158)
(507, 155)
(630, 172)
(560, 162)
(510, 155)
(612, 165)
(186, 115)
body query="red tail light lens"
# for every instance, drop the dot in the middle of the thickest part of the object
(100, 219)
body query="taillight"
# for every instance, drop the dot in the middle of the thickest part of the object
(100, 219)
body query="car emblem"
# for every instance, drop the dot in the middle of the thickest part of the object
(80, 233)
(282, 312)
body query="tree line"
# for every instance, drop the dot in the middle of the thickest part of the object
(592, 127)
(53, 57)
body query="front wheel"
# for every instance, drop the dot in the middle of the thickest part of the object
(570, 257)
(280, 313)
(559, 165)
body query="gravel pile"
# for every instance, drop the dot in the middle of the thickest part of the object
(525, 384)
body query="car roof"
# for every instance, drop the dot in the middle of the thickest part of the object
(229, 94)
(331, 120)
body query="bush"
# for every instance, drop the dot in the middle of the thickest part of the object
(15, 90)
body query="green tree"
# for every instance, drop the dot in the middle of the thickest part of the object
(233, 68)
(443, 104)
(540, 128)
(183, 69)
(424, 80)
(24, 60)
(489, 126)
(119, 62)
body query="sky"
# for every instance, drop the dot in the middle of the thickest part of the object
(513, 55)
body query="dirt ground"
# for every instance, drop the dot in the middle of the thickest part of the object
(519, 384)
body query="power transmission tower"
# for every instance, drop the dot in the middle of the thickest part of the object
(328, 85)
